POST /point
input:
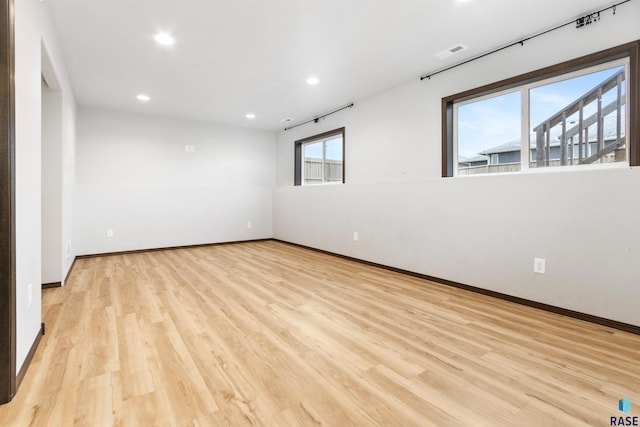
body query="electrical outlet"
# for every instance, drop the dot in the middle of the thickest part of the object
(186, 148)
(539, 265)
(249, 225)
(109, 233)
(355, 236)
(192, 148)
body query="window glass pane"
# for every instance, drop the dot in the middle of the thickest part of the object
(320, 159)
(333, 160)
(488, 135)
(579, 120)
(312, 155)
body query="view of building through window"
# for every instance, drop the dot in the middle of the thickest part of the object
(489, 134)
(571, 121)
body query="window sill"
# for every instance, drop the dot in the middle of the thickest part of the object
(553, 169)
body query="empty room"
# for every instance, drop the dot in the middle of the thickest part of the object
(304, 213)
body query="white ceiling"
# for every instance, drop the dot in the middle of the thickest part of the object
(233, 57)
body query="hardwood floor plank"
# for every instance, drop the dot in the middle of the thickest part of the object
(269, 334)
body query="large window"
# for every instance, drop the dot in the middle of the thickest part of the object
(320, 159)
(583, 112)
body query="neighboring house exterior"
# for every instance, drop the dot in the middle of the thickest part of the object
(468, 162)
(510, 151)
(504, 153)
(570, 136)
(507, 157)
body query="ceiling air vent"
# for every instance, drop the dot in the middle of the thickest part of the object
(451, 51)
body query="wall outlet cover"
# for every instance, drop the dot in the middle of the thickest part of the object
(539, 265)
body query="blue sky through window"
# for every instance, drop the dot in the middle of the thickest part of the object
(495, 121)
(334, 149)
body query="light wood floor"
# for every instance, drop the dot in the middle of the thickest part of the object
(269, 334)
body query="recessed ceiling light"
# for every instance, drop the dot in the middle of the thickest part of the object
(165, 39)
(313, 81)
(250, 116)
(143, 97)
(286, 120)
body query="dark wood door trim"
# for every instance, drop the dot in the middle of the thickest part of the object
(7, 205)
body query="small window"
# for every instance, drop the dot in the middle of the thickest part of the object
(576, 113)
(320, 159)
(580, 120)
(489, 128)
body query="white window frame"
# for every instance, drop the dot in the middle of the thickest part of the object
(299, 173)
(525, 149)
(324, 159)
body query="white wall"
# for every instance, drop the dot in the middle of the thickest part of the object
(69, 250)
(32, 29)
(27, 87)
(465, 229)
(135, 177)
(52, 248)
(62, 108)
(58, 159)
